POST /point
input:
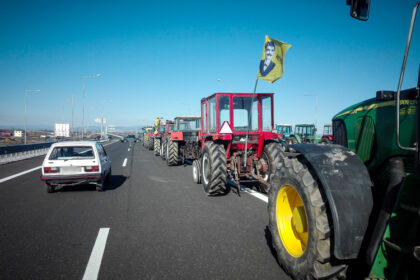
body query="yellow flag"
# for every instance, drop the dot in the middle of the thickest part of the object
(272, 60)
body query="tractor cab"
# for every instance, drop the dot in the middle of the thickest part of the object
(327, 135)
(306, 133)
(285, 130)
(238, 116)
(186, 128)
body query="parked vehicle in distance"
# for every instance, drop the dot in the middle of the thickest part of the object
(130, 138)
(75, 163)
(327, 135)
(305, 133)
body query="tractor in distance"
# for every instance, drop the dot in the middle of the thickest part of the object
(352, 209)
(148, 137)
(327, 135)
(158, 136)
(183, 141)
(285, 130)
(304, 133)
(169, 127)
(238, 142)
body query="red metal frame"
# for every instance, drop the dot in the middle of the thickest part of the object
(259, 135)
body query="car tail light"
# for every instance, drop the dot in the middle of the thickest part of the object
(51, 169)
(92, 168)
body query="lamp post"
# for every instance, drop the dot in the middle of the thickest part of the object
(26, 93)
(102, 117)
(83, 99)
(316, 107)
(230, 84)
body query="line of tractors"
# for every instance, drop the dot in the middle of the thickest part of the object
(350, 209)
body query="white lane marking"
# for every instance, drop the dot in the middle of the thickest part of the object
(19, 174)
(258, 195)
(94, 264)
(125, 162)
(128, 149)
(110, 143)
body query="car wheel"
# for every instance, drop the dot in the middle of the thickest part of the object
(49, 188)
(100, 185)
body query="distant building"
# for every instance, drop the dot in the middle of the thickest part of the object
(18, 133)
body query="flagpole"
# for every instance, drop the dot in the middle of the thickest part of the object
(249, 120)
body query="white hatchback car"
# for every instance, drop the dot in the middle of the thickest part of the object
(74, 163)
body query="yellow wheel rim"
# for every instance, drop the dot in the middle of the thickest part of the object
(291, 221)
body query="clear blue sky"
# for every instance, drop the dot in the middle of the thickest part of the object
(159, 58)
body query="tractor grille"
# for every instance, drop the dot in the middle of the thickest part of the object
(339, 133)
(364, 132)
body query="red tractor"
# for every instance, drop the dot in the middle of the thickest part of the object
(165, 131)
(327, 136)
(238, 141)
(158, 136)
(183, 141)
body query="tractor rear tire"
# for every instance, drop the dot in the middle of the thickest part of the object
(299, 224)
(214, 169)
(171, 152)
(150, 143)
(325, 141)
(196, 171)
(157, 146)
(271, 155)
(163, 148)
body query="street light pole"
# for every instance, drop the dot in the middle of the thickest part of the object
(83, 100)
(26, 118)
(316, 107)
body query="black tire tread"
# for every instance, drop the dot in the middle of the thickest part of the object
(217, 184)
(172, 155)
(318, 263)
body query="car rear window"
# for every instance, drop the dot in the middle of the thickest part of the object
(69, 153)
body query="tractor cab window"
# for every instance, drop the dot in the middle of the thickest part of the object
(245, 113)
(162, 129)
(266, 113)
(224, 109)
(171, 127)
(304, 130)
(188, 124)
(204, 115)
(328, 130)
(212, 103)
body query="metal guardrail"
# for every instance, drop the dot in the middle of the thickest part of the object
(20, 152)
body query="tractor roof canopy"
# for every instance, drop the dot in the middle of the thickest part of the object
(242, 112)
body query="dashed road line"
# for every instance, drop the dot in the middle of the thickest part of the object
(19, 174)
(125, 162)
(94, 264)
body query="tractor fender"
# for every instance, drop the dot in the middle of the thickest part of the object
(346, 184)
(177, 136)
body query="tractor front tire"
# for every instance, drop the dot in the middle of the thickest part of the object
(299, 224)
(196, 171)
(171, 152)
(157, 146)
(214, 169)
(163, 148)
(150, 143)
(271, 156)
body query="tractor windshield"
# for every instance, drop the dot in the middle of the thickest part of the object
(162, 129)
(245, 116)
(304, 130)
(327, 130)
(284, 129)
(188, 124)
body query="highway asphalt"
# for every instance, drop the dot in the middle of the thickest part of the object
(161, 226)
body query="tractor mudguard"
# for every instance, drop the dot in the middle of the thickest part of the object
(347, 186)
(177, 136)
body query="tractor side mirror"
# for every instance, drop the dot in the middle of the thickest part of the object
(359, 9)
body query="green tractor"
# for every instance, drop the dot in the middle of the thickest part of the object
(304, 133)
(352, 209)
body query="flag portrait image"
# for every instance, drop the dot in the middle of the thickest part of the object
(271, 64)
